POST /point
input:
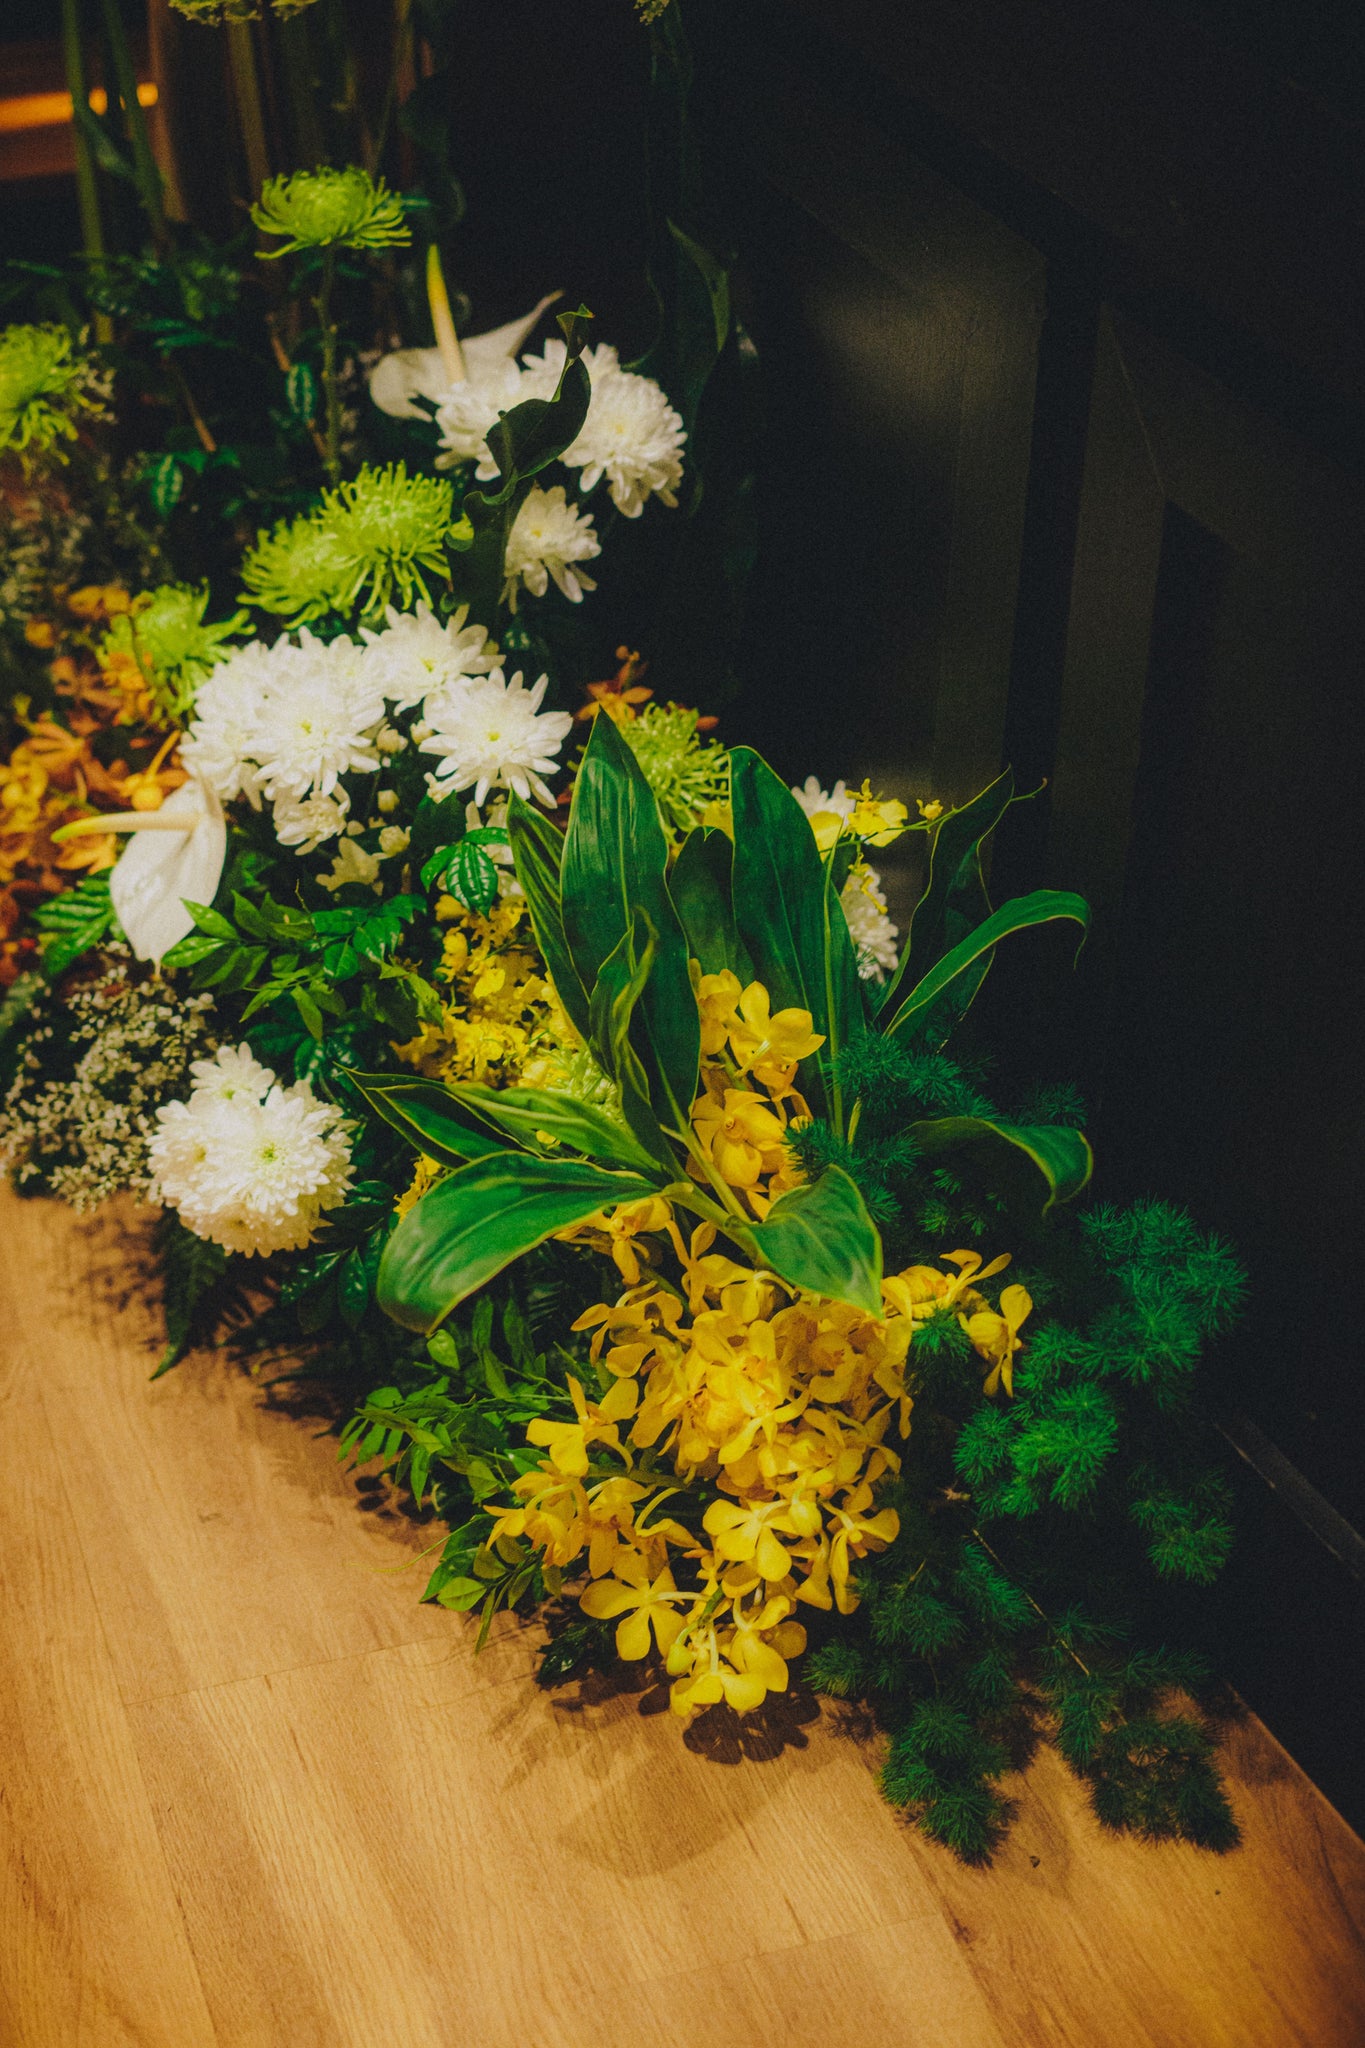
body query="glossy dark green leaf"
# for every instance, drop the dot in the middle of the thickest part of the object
(700, 883)
(1021, 913)
(524, 1113)
(789, 918)
(482, 1218)
(614, 876)
(428, 1115)
(621, 982)
(955, 899)
(538, 855)
(821, 1237)
(1025, 1164)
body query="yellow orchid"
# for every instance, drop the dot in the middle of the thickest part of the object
(717, 1005)
(741, 1136)
(744, 1530)
(877, 821)
(996, 1336)
(769, 1046)
(567, 1442)
(643, 1605)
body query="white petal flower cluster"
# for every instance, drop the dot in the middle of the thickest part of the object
(825, 803)
(549, 537)
(246, 1162)
(415, 654)
(493, 734)
(631, 436)
(874, 935)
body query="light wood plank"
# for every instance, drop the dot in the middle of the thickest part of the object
(93, 1952)
(221, 1535)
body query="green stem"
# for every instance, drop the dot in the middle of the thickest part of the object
(246, 90)
(87, 188)
(139, 140)
(323, 303)
(402, 43)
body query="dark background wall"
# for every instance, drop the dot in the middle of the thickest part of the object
(1062, 455)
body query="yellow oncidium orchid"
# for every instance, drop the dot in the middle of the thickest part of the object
(644, 1605)
(769, 1046)
(877, 820)
(567, 1442)
(996, 1336)
(740, 1135)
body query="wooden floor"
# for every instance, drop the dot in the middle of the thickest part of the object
(254, 1795)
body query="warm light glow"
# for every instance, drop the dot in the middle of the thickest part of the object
(53, 109)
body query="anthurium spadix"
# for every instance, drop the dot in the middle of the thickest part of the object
(480, 359)
(176, 852)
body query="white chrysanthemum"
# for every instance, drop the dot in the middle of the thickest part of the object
(247, 1163)
(466, 412)
(549, 536)
(817, 802)
(874, 935)
(319, 719)
(220, 744)
(306, 821)
(493, 735)
(632, 436)
(415, 654)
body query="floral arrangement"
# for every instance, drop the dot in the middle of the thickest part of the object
(552, 1072)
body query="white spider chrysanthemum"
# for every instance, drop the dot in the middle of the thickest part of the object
(220, 742)
(306, 821)
(817, 802)
(632, 436)
(549, 537)
(493, 735)
(874, 935)
(318, 719)
(414, 654)
(246, 1162)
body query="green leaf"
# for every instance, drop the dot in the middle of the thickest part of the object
(538, 855)
(74, 922)
(353, 1288)
(301, 393)
(789, 918)
(523, 1113)
(428, 1115)
(1011, 1158)
(435, 825)
(955, 899)
(822, 1237)
(211, 921)
(309, 1012)
(165, 485)
(190, 950)
(700, 884)
(614, 876)
(461, 1594)
(470, 874)
(1019, 914)
(467, 1228)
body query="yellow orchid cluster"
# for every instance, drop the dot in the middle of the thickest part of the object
(502, 1023)
(769, 1409)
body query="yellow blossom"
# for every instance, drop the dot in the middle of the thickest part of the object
(568, 1442)
(642, 1604)
(996, 1336)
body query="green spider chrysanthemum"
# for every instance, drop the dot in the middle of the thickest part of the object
(168, 637)
(215, 11)
(329, 209)
(375, 541)
(46, 385)
(685, 771)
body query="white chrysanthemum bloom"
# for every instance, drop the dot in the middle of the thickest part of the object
(247, 1163)
(220, 744)
(319, 719)
(466, 411)
(817, 802)
(414, 654)
(549, 536)
(493, 735)
(306, 821)
(632, 436)
(874, 936)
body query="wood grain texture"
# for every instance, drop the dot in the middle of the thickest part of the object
(256, 1799)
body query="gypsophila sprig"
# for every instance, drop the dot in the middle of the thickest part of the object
(47, 385)
(330, 209)
(374, 542)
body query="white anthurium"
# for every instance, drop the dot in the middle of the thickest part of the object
(429, 373)
(177, 854)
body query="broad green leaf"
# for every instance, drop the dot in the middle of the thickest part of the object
(1019, 914)
(699, 883)
(473, 1224)
(526, 1113)
(955, 899)
(1020, 1162)
(538, 854)
(211, 921)
(821, 1237)
(74, 922)
(790, 919)
(621, 981)
(615, 865)
(428, 1116)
